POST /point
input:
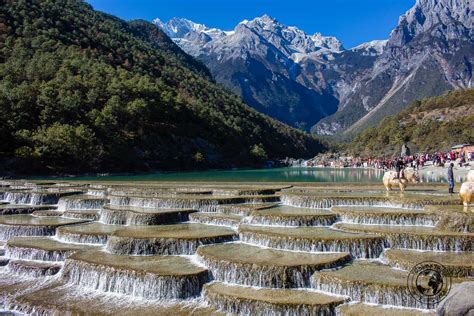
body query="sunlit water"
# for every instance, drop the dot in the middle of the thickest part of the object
(293, 174)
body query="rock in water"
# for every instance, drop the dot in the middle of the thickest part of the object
(459, 302)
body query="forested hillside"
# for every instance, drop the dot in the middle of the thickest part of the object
(428, 125)
(83, 91)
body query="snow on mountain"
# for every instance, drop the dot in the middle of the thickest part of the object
(372, 48)
(302, 78)
(178, 28)
(290, 40)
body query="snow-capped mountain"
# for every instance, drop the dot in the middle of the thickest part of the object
(372, 48)
(303, 79)
(263, 61)
(291, 41)
(178, 28)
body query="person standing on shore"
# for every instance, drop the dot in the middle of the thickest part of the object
(451, 177)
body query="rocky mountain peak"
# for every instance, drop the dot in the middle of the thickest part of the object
(266, 20)
(302, 78)
(290, 40)
(451, 18)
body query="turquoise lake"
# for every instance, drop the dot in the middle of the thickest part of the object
(253, 175)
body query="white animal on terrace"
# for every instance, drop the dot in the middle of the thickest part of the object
(467, 189)
(390, 179)
(470, 176)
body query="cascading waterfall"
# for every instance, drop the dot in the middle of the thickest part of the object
(124, 217)
(358, 248)
(219, 221)
(14, 252)
(237, 209)
(97, 192)
(28, 197)
(377, 294)
(328, 202)
(158, 192)
(248, 306)
(166, 202)
(236, 192)
(100, 239)
(389, 219)
(11, 209)
(456, 222)
(9, 231)
(245, 307)
(33, 269)
(130, 265)
(134, 283)
(291, 221)
(113, 217)
(93, 215)
(430, 242)
(270, 276)
(203, 204)
(79, 203)
(161, 246)
(153, 219)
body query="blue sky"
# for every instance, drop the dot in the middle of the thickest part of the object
(351, 21)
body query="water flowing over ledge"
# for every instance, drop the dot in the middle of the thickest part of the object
(228, 248)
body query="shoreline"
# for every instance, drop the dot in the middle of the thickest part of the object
(460, 173)
(435, 173)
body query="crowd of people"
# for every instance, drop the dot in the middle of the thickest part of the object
(416, 161)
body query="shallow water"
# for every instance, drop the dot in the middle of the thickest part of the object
(289, 174)
(255, 175)
(264, 262)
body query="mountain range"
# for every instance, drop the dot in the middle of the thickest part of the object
(314, 83)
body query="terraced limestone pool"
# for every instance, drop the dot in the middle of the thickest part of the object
(187, 248)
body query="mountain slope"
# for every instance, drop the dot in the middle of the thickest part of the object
(85, 91)
(302, 79)
(276, 69)
(429, 52)
(429, 125)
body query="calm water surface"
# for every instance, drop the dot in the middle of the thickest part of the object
(255, 175)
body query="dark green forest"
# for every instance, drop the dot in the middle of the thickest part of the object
(428, 125)
(83, 91)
